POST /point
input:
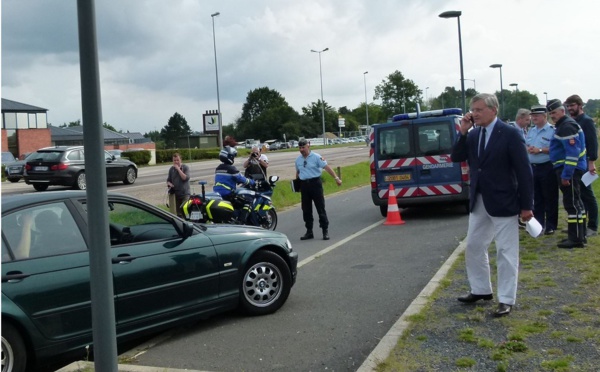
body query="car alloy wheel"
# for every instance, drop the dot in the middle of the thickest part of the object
(266, 283)
(80, 182)
(130, 176)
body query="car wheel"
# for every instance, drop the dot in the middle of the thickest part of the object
(14, 354)
(40, 186)
(269, 220)
(13, 180)
(383, 209)
(130, 176)
(80, 181)
(266, 284)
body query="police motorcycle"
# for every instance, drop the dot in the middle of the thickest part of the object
(210, 207)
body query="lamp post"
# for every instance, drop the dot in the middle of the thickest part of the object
(516, 85)
(366, 103)
(474, 86)
(456, 14)
(498, 65)
(322, 102)
(546, 94)
(220, 139)
(426, 89)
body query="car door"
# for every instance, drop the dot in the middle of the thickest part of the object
(114, 169)
(45, 269)
(157, 274)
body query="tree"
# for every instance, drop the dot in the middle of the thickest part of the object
(76, 123)
(314, 111)
(397, 94)
(264, 114)
(175, 128)
(110, 127)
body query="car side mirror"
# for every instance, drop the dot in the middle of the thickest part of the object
(188, 229)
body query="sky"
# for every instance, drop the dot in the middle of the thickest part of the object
(157, 57)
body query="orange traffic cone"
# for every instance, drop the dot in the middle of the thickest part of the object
(393, 212)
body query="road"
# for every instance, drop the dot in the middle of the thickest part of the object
(350, 291)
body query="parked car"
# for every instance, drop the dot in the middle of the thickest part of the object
(65, 166)
(116, 153)
(14, 171)
(166, 271)
(7, 158)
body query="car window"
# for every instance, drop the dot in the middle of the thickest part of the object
(75, 155)
(46, 156)
(7, 157)
(44, 230)
(131, 224)
(394, 143)
(434, 138)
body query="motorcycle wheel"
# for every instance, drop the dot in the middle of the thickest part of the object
(268, 221)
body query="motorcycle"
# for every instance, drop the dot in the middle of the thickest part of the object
(209, 207)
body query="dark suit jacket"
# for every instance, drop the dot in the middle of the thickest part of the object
(503, 174)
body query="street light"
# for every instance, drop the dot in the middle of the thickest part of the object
(426, 89)
(546, 94)
(474, 86)
(456, 14)
(220, 139)
(322, 102)
(366, 103)
(498, 65)
(516, 85)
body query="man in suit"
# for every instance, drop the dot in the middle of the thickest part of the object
(501, 189)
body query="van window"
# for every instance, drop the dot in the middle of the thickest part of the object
(434, 139)
(394, 143)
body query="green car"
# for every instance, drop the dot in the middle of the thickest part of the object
(165, 271)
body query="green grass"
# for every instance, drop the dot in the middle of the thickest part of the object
(554, 327)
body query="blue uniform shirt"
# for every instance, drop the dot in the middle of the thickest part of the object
(540, 138)
(311, 166)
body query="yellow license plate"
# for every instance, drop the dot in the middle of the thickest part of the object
(398, 177)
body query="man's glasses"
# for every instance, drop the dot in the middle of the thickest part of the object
(304, 163)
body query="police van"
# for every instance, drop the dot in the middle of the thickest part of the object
(412, 152)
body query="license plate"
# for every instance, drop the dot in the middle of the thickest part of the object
(397, 177)
(40, 168)
(196, 215)
(12, 171)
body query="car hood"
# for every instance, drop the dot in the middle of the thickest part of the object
(223, 233)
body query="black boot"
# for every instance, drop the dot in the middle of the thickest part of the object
(325, 234)
(574, 239)
(308, 235)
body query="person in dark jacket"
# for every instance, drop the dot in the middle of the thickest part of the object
(227, 177)
(501, 189)
(178, 182)
(567, 154)
(575, 107)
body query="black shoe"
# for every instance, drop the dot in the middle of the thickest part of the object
(568, 244)
(325, 234)
(549, 232)
(308, 235)
(502, 310)
(470, 298)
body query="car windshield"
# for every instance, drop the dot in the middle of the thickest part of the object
(45, 156)
(7, 157)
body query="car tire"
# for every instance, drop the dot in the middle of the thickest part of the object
(383, 209)
(270, 222)
(14, 354)
(130, 176)
(80, 181)
(40, 186)
(13, 180)
(265, 284)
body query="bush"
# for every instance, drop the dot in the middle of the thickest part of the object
(166, 156)
(138, 157)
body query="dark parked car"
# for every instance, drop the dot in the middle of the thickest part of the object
(65, 166)
(166, 271)
(14, 171)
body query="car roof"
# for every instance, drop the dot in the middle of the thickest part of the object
(60, 148)
(10, 202)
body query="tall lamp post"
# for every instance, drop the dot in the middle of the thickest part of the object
(499, 65)
(220, 139)
(474, 86)
(456, 14)
(546, 94)
(516, 85)
(366, 103)
(322, 102)
(426, 89)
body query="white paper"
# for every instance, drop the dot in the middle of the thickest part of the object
(588, 178)
(533, 227)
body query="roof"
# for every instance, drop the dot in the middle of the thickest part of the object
(13, 106)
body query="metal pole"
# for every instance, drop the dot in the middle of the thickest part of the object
(101, 282)
(220, 139)
(502, 93)
(462, 75)
(322, 101)
(546, 94)
(366, 103)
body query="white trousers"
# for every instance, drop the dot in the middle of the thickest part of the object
(484, 228)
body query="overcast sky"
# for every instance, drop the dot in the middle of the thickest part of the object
(157, 56)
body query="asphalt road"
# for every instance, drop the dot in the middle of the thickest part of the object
(350, 291)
